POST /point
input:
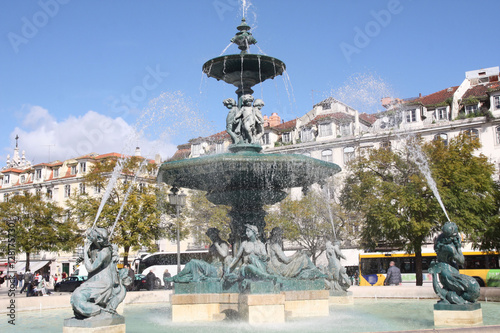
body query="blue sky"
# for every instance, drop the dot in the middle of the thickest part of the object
(81, 76)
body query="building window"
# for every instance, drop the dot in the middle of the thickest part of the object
(38, 174)
(345, 129)
(38, 191)
(196, 149)
(411, 116)
(6, 179)
(56, 173)
(348, 154)
(307, 134)
(6, 197)
(385, 145)
(97, 189)
(265, 139)
(73, 170)
(83, 167)
(327, 155)
(49, 194)
(470, 109)
(219, 147)
(23, 179)
(286, 137)
(472, 133)
(67, 191)
(496, 102)
(441, 114)
(82, 188)
(443, 137)
(325, 129)
(497, 132)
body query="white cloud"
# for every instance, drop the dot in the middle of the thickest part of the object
(77, 136)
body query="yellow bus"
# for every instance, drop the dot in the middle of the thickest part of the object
(483, 266)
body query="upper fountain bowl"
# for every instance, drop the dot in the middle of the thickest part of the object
(244, 70)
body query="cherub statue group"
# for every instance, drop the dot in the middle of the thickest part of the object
(245, 123)
(253, 261)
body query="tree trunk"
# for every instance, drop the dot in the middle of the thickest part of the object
(418, 265)
(125, 255)
(27, 262)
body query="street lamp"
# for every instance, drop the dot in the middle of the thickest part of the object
(178, 200)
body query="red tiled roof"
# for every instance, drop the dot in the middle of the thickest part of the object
(180, 154)
(369, 118)
(286, 126)
(13, 170)
(481, 90)
(437, 97)
(219, 136)
(337, 116)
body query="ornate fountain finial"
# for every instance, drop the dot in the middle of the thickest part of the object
(243, 38)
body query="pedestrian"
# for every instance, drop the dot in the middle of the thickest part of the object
(150, 280)
(2, 279)
(28, 278)
(166, 274)
(393, 277)
(64, 275)
(20, 279)
(16, 278)
(131, 274)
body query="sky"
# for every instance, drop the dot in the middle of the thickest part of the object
(106, 76)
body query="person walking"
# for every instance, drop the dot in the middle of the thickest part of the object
(393, 277)
(28, 278)
(131, 275)
(20, 279)
(166, 275)
(150, 280)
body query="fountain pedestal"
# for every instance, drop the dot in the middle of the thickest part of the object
(115, 324)
(457, 314)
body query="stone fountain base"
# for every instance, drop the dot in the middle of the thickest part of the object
(261, 302)
(115, 324)
(457, 315)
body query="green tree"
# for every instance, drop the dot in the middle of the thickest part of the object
(399, 208)
(139, 223)
(203, 215)
(38, 225)
(305, 221)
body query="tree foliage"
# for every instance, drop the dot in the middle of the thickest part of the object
(139, 223)
(305, 221)
(399, 208)
(39, 225)
(203, 215)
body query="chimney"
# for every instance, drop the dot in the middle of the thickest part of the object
(137, 151)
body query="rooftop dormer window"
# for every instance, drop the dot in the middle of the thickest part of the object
(196, 149)
(496, 102)
(56, 173)
(6, 179)
(441, 114)
(38, 174)
(23, 179)
(286, 137)
(307, 134)
(325, 129)
(265, 139)
(83, 167)
(411, 115)
(470, 109)
(73, 170)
